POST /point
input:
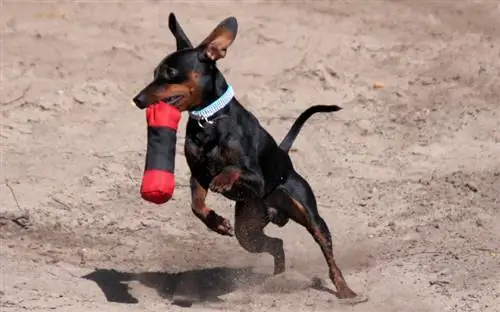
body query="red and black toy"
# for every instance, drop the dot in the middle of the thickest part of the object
(158, 182)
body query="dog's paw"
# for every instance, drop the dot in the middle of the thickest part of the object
(224, 181)
(217, 186)
(224, 227)
(219, 224)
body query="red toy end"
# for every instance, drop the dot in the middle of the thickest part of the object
(163, 115)
(157, 186)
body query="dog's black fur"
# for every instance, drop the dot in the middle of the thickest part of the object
(232, 154)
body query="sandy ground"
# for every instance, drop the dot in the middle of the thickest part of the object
(407, 176)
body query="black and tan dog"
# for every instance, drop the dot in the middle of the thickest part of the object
(228, 151)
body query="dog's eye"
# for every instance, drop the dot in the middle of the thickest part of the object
(170, 73)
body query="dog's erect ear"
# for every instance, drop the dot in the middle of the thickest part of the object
(180, 37)
(215, 45)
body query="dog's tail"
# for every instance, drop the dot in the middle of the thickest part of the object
(287, 142)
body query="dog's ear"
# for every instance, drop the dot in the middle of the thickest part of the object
(214, 47)
(181, 39)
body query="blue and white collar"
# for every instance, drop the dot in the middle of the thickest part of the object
(214, 107)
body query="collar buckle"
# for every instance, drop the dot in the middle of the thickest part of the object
(203, 120)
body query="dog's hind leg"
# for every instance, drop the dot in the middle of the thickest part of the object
(250, 220)
(297, 199)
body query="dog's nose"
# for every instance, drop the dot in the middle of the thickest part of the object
(140, 100)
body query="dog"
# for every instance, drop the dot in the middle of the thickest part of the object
(230, 153)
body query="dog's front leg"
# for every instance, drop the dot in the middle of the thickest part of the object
(211, 219)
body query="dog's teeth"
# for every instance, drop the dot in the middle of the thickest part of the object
(132, 103)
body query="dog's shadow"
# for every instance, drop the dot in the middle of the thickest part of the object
(183, 288)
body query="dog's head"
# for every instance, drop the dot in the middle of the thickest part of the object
(184, 77)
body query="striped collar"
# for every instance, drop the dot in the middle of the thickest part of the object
(214, 107)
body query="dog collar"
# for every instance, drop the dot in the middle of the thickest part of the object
(215, 106)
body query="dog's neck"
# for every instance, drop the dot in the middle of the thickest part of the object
(215, 102)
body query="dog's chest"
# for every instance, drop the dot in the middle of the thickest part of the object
(205, 154)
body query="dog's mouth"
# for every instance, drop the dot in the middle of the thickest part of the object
(173, 99)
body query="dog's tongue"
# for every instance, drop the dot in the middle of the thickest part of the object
(158, 182)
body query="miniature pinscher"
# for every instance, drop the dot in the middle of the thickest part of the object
(229, 152)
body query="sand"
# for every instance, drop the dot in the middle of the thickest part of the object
(407, 175)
